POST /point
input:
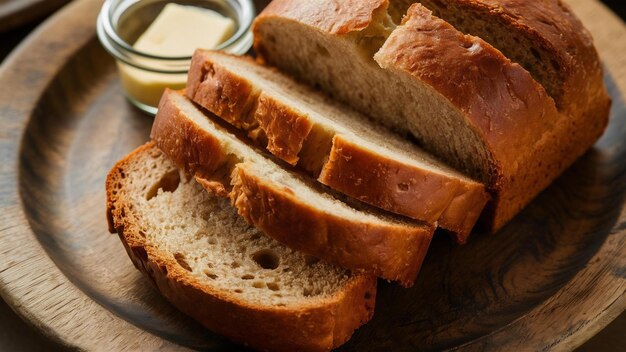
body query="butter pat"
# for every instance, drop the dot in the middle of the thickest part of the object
(179, 30)
(176, 32)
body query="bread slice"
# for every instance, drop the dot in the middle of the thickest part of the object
(458, 95)
(286, 206)
(225, 274)
(333, 143)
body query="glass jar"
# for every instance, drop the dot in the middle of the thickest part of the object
(121, 22)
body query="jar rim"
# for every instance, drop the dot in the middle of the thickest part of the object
(106, 32)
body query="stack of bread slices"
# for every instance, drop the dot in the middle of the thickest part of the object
(275, 191)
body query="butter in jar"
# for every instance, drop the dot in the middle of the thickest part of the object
(164, 36)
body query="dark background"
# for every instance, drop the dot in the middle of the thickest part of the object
(619, 6)
(15, 335)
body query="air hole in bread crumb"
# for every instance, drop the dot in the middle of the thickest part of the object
(180, 258)
(258, 284)
(238, 291)
(210, 275)
(273, 286)
(235, 265)
(267, 259)
(307, 292)
(168, 183)
(212, 241)
(247, 277)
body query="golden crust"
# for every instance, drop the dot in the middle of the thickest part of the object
(392, 251)
(229, 98)
(335, 17)
(419, 193)
(320, 326)
(285, 129)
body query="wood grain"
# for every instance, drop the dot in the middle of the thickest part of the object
(549, 281)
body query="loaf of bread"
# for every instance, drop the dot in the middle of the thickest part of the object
(225, 274)
(457, 94)
(333, 143)
(284, 205)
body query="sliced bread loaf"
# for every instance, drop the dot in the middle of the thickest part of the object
(286, 206)
(458, 95)
(333, 143)
(225, 274)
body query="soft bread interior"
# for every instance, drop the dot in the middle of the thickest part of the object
(214, 246)
(338, 66)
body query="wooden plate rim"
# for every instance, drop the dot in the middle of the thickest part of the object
(37, 290)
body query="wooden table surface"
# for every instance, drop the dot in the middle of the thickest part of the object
(16, 335)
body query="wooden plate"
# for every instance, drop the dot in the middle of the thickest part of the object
(14, 13)
(550, 280)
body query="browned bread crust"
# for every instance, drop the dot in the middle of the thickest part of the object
(335, 17)
(413, 190)
(392, 250)
(321, 326)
